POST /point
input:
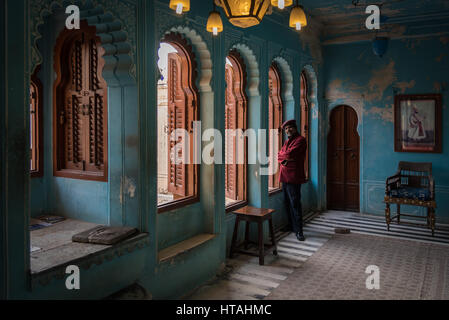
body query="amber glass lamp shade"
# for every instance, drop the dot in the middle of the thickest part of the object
(180, 6)
(281, 4)
(245, 13)
(298, 18)
(214, 23)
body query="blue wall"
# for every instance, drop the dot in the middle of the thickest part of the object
(368, 83)
(131, 31)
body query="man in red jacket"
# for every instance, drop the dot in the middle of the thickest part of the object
(291, 160)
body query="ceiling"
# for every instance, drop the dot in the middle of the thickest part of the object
(342, 21)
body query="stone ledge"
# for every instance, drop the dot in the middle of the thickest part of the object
(104, 254)
(184, 246)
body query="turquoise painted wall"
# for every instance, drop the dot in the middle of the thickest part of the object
(3, 275)
(368, 83)
(259, 46)
(131, 31)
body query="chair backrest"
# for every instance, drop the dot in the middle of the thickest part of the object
(415, 174)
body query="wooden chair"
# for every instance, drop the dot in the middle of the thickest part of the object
(412, 184)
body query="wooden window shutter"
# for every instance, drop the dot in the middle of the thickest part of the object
(80, 106)
(274, 119)
(183, 111)
(176, 120)
(305, 119)
(236, 118)
(231, 145)
(36, 134)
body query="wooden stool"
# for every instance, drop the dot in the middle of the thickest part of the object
(251, 214)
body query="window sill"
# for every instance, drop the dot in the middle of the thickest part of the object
(75, 174)
(57, 251)
(36, 174)
(236, 206)
(177, 204)
(183, 247)
(274, 191)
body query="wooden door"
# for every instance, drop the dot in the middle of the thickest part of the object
(343, 167)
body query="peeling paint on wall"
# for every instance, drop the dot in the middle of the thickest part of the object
(439, 86)
(440, 57)
(381, 80)
(127, 187)
(405, 85)
(413, 43)
(385, 114)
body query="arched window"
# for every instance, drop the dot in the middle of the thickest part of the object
(80, 106)
(274, 123)
(36, 132)
(305, 118)
(235, 124)
(178, 109)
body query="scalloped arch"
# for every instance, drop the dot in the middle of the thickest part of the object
(202, 55)
(287, 78)
(312, 81)
(252, 68)
(119, 67)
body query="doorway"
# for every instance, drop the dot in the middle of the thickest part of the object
(343, 160)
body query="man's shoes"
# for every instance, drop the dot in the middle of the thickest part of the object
(300, 236)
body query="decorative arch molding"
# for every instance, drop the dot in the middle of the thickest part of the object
(287, 78)
(239, 65)
(252, 68)
(186, 51)
(353, 104)
(117, 31)
(202, 54)
(312, 81)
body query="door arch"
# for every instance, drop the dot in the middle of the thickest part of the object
(343, 160)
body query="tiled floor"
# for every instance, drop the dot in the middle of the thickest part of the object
(244, 279)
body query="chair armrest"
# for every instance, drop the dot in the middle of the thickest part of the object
(393, 182)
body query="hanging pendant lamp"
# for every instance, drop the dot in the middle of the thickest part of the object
(180, 6)
(245, 13)
(380, 45)
(281, 4)
(298, 18)
(214, 23)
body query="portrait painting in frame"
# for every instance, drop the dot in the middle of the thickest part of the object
(418, 123)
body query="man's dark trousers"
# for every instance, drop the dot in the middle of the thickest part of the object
(292, 195)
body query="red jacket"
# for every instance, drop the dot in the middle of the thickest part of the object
(294, 149)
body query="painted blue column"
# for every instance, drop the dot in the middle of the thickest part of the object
(15, 150)
(2, 151)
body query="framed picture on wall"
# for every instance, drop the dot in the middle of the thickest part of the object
(418, 123)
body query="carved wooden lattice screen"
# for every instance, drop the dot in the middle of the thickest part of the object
(305, 119)
(274, 121)
(80, 106)
(235, 119)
